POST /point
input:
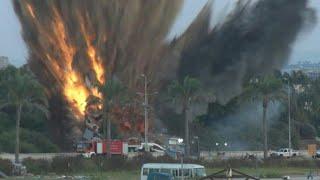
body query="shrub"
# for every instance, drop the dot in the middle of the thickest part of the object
(73, 164)
(31, 142)
(6, 166)
(39, 166)
(114, 163)
(62, 165)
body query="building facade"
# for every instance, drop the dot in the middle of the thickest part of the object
(312, 70)
(4, 62)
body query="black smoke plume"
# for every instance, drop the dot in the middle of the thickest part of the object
(256, 38)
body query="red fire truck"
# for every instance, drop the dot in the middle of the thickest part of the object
(117, 147)
(99, 148)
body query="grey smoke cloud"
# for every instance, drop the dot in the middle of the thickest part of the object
(254, 39)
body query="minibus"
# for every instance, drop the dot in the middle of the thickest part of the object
(178, 171)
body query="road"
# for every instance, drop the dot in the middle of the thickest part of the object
(204, 154)
(47, 156)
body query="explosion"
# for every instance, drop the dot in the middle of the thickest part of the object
(61, 58)
(75, 44)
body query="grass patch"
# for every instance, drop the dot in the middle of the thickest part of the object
(135, 175)
(120, 167)
(270, 172)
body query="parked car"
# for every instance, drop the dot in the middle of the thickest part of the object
(284, 152)
(317, 155)
(153, 148)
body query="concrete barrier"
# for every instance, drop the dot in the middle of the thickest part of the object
(241, 154)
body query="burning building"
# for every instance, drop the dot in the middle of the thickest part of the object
(76, 44)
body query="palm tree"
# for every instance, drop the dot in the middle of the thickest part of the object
(112, 92)
(23, 92)
(185, 93)
(266, 89)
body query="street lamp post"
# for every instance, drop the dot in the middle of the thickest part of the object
(198, 145)
(182, 173)
(181, 160)
(289, 114)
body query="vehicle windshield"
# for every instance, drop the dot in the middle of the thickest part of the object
(200, 172)
(83, 145)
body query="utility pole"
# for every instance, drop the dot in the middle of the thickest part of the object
(145, 94)
(146, 125)
(289, 114)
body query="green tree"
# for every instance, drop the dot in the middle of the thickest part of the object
(113, 93)
(185, 93)
(22, 92)
(266, 89)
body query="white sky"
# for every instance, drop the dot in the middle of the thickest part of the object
(12, 45)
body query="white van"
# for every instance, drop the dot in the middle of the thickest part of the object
(189, 171)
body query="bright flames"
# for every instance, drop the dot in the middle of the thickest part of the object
(74, 87)
(95, 59)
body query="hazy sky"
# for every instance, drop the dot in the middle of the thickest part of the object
(11, 44)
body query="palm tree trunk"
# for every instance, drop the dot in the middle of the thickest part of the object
(17, 148)
(108, 137)
(265, 131)
(104, 125)
(186, 127)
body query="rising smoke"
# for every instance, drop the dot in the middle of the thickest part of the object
(255, 38)
(75, 44)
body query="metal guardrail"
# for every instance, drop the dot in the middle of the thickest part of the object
(47, 156)
(207, 155)
(239, 154)
(3, 175)
(229, 173)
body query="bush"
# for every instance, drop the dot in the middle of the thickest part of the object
(63, 165)
(39, 166)
(73, 164)
(37, 142)
(114, 163)
(6, 166)
(31, 142)
(101, 163)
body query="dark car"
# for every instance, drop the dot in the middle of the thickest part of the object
(160, 176)
(317, 155)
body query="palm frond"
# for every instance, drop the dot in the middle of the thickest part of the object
(113, 92)
(22, 88)
(3, 105)
(184, 92)
(37, 106)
